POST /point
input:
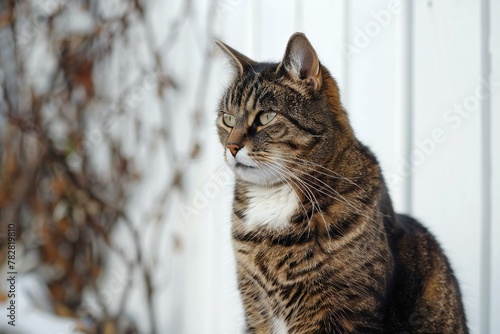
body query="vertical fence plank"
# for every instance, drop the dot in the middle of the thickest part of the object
(204, 264)
(495, 166)
(276, 21)
(486, 173)
(446, 152)
(173, 298)
(373, 53)
(401, 181)
(236, 18)
(325, 35)
(345, 32)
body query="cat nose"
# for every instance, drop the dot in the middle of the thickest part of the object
(233, 148)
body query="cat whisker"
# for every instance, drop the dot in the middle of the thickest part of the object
(334, 192)
(328, 172)
(338, 176)
(329, 191)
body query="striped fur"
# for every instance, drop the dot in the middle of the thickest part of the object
(319, 248)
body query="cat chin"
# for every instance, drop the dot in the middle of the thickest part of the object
(255, 176)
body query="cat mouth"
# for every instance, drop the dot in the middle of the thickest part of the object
(243, 166)
(253, 173)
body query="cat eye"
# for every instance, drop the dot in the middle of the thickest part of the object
(266, 117)
(229, 120)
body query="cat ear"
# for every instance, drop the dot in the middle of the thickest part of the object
(301, 61)
(239, 61)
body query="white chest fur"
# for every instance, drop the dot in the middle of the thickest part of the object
(271, 206)
(279, 326)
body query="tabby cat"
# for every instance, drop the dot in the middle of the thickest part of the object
(319, 248)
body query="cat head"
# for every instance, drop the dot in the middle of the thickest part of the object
(275, 119)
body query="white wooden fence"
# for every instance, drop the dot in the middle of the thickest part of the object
(421, 82)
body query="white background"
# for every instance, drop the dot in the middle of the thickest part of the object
(411, 64)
